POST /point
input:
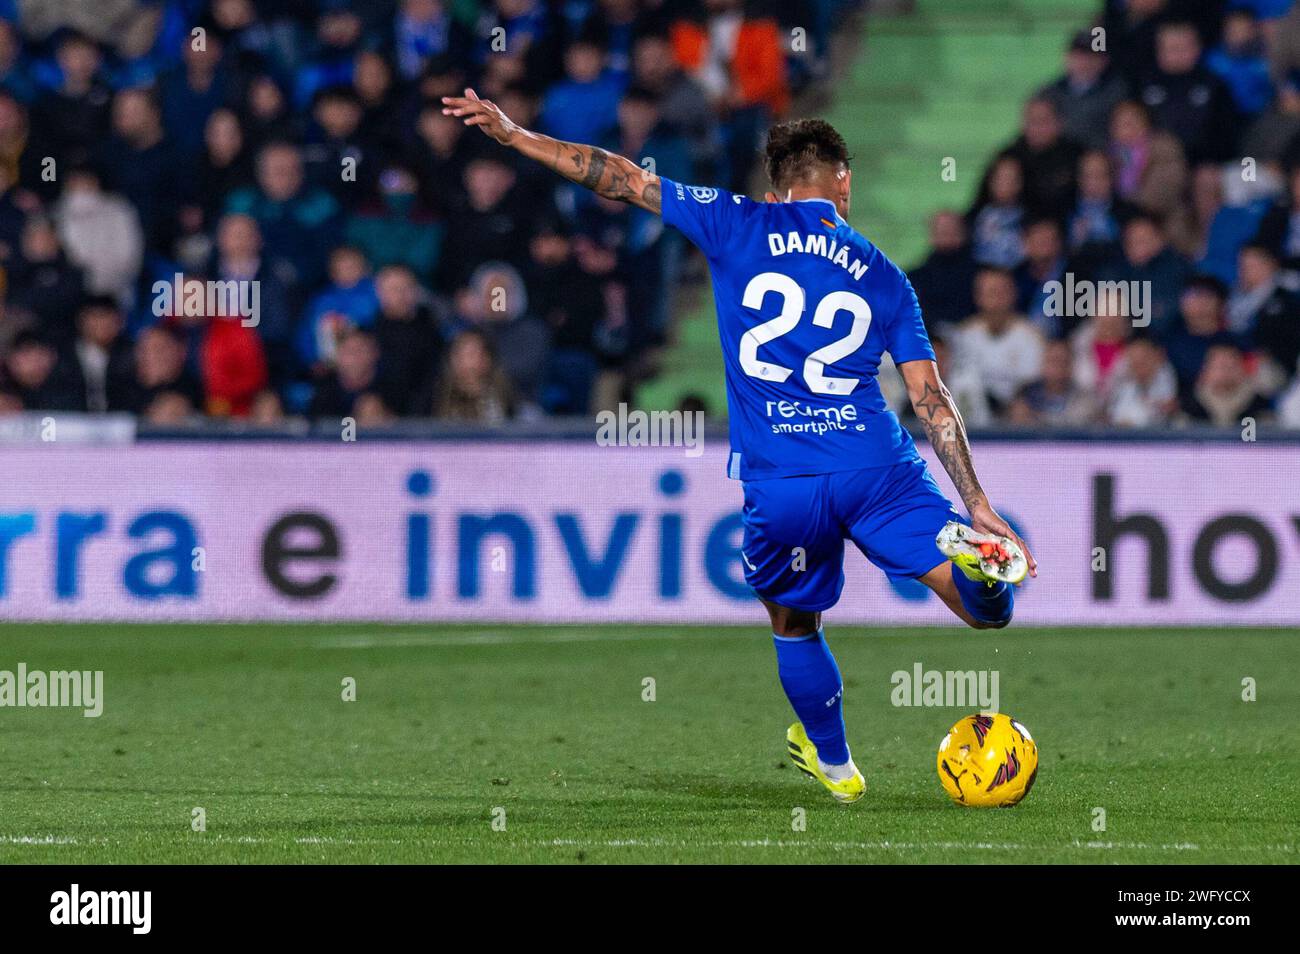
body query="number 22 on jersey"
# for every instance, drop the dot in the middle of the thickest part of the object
(792, 310)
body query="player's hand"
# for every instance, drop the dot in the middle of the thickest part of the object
(483, 113)
(987, 520)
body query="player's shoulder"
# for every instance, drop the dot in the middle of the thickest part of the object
(703, 196)
(878, 263)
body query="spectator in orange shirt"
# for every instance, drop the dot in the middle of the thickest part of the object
(739, 60)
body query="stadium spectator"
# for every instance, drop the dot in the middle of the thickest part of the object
(43, 283)
(193, 90)
(571, 302)
(232, 159)
(1042, 270)
(101, 233)
(1258, 288)
(999, 210)
(1189, 228)
(438, 155)
(409, 336)
(965, 385)
(268, 411)
(72, 119)
(1201, 324)
(34, 377)
(351, 388)
(1268, 314)
(231, 361)
(395, 226)
(683, 104)
(372, 81)
(240, 258)
(490, 226)
(1240, 61)
(1000, 345)
(1129, 27)
(334, 154)
(15, 76)
(1225, 394)
(140, 163)
(103, 356)
(1088, 92)
(1098, 345)
(424, 29)
(496, 303)
(266, 113)
(1288, 406)
(1143, 391)
(1047, 157)
(945, 281)
(1280, 229)
(18, 163)
(1188, 99)
(1284, 44)
(1158, 270)
(1054, 399)
(164, 387)
(737, 58)
(582, 107)
(298, 222)
(1150, 167)
(1275, 135)
(1096, 221)
(222, 167)
(473, 388)
(348, 301)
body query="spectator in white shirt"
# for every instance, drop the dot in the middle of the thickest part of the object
(102, 234)
(1144, 389)
(999, 345)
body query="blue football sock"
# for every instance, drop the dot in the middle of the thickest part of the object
(811, 681)
(988, 604)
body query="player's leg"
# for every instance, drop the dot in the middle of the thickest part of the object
(979, 605)
(794, 556)
(894, 514)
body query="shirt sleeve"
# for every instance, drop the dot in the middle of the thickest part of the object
(905, 334)
(705, 215)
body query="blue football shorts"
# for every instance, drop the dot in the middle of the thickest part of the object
(795, 528)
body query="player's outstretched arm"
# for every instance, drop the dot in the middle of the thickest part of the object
(938, 414)
(602, 172)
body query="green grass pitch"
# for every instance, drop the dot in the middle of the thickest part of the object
(547, 728)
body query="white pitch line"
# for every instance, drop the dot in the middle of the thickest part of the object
(501, 638)
(679, 844)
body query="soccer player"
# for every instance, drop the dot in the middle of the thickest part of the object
(806, 307)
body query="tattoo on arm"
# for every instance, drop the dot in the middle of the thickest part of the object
(605, 174)
(938, 414)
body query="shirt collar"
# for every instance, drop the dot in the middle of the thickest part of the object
(834, 210)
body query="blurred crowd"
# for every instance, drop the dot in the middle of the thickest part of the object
(404, 265)
(1167, 154)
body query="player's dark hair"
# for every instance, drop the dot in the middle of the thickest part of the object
(797, 148)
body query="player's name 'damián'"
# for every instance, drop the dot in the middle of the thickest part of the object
(823, 245)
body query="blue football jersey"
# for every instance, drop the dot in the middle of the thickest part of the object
(806, 308)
